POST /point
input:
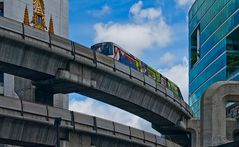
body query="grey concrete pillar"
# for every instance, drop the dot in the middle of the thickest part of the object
(61, 101)
(64, 144)
(24, 89)
(213, 112)
(28, 92)
(231, 128)
(9, 86)
(193, 125)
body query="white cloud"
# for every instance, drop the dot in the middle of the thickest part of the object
(102, 12)
(167, 58)
(184, 2)
(147, 30)
(179, 75)
(95, 108)
(140, 14)
(105, 10)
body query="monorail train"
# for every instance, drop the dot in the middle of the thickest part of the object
(114, 51)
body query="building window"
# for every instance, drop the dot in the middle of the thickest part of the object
(1, 9)
(195, 47)
(233, 53)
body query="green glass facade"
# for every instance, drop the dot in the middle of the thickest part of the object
(213, 46)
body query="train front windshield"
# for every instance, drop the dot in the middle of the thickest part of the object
(104, 48)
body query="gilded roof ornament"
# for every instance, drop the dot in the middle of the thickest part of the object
(26, 17)
(38, 19)
(51, 26)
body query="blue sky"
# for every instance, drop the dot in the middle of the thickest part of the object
(84, 15)
(153, 30)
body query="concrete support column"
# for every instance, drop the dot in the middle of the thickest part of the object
(193, 125)
(213, 112)
(61, 101)
(231, 128)
(64, 144)
(24, 89)
(9, 86)
(28, 92)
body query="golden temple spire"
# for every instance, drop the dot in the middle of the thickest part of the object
(26, 17)
(51, 26)
(38, 19)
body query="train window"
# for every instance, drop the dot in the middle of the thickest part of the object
(151, 73)
(104, 48)
(163, 81)
(127, 60)
(144, 68)
(116, 53)
(1, 9)
(173, 87)
(158, 79)
(138, 64)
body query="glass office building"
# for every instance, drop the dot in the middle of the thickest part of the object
(213, 46)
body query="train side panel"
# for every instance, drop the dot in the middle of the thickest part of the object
(128, 59)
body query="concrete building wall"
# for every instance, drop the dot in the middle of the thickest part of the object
(14, 9)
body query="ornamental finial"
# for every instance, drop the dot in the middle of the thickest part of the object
(51, 26)
(26, 17)
(38, 19)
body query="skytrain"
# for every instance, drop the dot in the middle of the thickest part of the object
(114, 51)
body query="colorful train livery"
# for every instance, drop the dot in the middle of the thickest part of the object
(116, 52)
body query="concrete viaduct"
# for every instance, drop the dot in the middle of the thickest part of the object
(29, 124)
(57, 65)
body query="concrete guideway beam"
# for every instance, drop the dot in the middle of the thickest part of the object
(120, 93)
(30, 124)
(39, 72)
(40, 57)
(19, 46)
